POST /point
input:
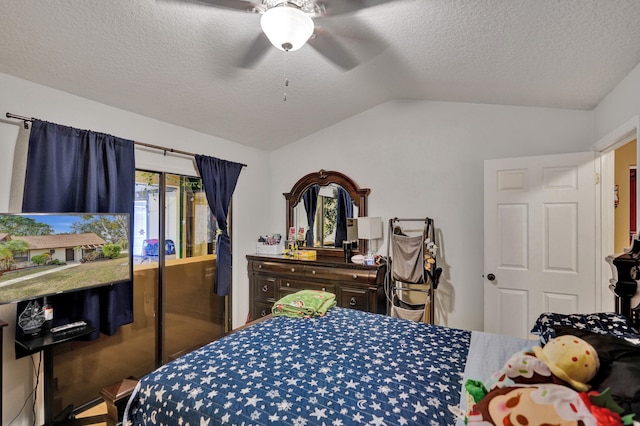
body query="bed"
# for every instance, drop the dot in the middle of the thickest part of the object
(348, 367)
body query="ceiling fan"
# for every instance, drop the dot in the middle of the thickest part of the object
(290, 24)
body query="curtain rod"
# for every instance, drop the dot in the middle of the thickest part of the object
(148, 145)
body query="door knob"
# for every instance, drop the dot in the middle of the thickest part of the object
(491, 277)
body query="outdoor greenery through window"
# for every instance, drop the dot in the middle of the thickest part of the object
(326, 217)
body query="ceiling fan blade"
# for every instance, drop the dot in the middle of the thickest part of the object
(340, 7)
(244, 5)
(257, 49)
(329, 47)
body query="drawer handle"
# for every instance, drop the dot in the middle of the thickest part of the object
(355, 276)
(263, 313)
(293, 269)
(353, 302)
(265, 288)
(313, 272)
(259, 266)
(288, 284)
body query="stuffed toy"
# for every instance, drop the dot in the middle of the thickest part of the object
(545, 404)
(571, 359)
(565, 360)
(544, 386)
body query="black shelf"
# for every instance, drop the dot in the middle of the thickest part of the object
(45, 341)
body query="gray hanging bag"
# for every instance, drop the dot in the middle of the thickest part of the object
(408, 258)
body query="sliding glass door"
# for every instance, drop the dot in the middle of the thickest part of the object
(193, 314)
(175, 307)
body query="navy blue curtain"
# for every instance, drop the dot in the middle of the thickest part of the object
(219, 178)
(79, 171)
(310, 199)
(345, 210)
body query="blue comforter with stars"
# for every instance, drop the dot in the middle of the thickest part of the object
(346, 368)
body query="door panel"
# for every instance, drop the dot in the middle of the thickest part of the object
(514, 304)
(561, 239)
(539, 239)
(513, 231)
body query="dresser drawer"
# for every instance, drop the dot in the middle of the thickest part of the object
(264, 287)
(292, 286)
(354, 298)
(261, 309)
(337, 274)
(278, 268)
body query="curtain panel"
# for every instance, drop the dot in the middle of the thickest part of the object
(219, 178)
(345, 211)
(310, 199)
(71, 170)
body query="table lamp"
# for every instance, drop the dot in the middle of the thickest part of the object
(369, 228)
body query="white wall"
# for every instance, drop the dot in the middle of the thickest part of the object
(24, 98)
(622, 103)
(426, 159)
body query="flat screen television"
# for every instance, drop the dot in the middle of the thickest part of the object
(43, 254)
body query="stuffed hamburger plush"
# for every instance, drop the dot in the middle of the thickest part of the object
(571, 359)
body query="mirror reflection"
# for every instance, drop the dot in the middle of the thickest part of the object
(322, 208)
(325, 216)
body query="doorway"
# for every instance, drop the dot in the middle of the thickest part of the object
(618, 154)
(625, 161)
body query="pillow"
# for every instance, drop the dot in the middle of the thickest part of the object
(602, 323)
(619, 367)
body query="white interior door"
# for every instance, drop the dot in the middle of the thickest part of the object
(539, 239)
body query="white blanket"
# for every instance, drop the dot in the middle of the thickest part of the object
(487, 354)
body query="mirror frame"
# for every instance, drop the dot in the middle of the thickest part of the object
(324, 178)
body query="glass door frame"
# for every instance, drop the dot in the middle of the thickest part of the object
(161, 355)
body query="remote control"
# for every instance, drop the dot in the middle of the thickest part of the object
(69, 326)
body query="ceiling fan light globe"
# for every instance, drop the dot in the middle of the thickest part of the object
(287, 28)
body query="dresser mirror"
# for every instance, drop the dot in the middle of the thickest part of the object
(329, 201)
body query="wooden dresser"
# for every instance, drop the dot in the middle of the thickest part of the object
(355, 286)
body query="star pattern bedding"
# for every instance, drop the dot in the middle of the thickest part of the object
(348, 367)
(602, 323)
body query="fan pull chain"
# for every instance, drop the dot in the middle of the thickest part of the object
(284, 76)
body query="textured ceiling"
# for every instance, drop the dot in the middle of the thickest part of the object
(179, 61)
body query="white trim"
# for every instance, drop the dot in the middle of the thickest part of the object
(605, 219)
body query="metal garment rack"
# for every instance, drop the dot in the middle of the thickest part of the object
(432, 273)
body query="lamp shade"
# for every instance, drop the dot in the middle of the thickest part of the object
(287, 28)
(369, 228)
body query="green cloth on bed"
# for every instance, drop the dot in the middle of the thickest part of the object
(304, 304)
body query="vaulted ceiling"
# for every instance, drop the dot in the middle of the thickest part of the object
(185, 61)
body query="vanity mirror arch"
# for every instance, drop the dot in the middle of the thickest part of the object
(325, 184)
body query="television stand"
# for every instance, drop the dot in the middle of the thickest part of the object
(45, 342)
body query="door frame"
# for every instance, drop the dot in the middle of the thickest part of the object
(604, 165)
